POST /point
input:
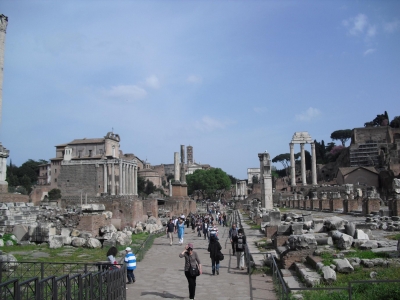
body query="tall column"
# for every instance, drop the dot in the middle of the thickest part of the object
(128, 175)
(176, 166)
(292, 166)
(135, 190)
(120, 181)
(183, 175)
(130, 180)
(123, 179)
(313, 165)
(105, 178)
(127, 179)
(112, 179)
(303, 165)
(3, 28)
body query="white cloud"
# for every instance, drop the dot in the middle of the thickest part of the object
(369, 51)
(309, 114)
(210, 124)
(260, 110)
(153, 82)
(391, 26)
(194, 79)
(359, 25)
(371, 31)
(126, 91)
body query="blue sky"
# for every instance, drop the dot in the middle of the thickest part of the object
(230, 78)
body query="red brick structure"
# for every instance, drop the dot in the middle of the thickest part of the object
(324, 204)
(280, 240)
(270, 231)
(14, 198)
(150, 207)
(92, 223)
(336, 204)
(290, 257)
(371, 205)
(315, 204)
(350, 205)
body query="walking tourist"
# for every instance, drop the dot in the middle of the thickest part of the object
(233, 232)
(130, 260)
(111, 256)
(192, 260)
(240, 241)
(213, 231)
(180, 227)
(214, 247)
(169, 230)
(205, 228)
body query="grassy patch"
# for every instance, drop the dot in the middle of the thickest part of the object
(42, 252)
(394, 237)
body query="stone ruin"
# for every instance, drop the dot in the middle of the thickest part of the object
(90, 225)
(350, 199)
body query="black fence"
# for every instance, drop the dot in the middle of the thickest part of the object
(39, 281)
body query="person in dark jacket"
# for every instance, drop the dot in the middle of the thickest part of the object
(214, 247)
(239, 241)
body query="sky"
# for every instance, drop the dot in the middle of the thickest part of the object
(230, 78)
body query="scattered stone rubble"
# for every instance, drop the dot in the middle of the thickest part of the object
(58, 227)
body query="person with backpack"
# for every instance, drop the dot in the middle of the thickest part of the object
(233, 232)
(213, 231)
(240, 240)
(214, 247)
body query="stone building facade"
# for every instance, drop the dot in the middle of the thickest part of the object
(376, 146)
(94, 167)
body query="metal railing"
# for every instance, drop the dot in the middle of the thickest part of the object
(38, 281)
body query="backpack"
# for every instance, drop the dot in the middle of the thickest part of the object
(240, 242)
(213, 232)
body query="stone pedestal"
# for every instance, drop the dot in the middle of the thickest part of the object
(394, 206)
(179, 189)
(4, 153)
(324, 204)
(315, 204)
(371, 205)
(270, 231)
(350, 205)
(336, 204)
(307, 204)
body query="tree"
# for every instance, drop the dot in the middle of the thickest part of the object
(141, 184)
(210, 183)
(284, 159)
(54, 194)
(341, 135)
(395, 122)
(233, 179)
(380, 120)
(150, 187)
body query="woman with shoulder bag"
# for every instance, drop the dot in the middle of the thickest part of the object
(192, 262)
(214, 247)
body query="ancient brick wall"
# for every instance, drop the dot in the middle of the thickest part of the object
(350, 205)
(14, 198)
(270, 231)
(394, 206)
(324, 204)
(371, 205)
(75, 179)
(336, 204)
(295, 256)
(92, 223)
(150, 206)
(38, 193)
(364, 134)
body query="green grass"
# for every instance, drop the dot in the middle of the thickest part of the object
(367, 291)
(394, 237)
(72, 254)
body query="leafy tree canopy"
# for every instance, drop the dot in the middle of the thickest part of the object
(380, 120)
(210, 183)
(341, 135)
(54, 194)
(395, 122)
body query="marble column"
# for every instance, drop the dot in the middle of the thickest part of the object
(135, 190)
(112, 179)
(130, 180)
(105, 179)
(176, 166)
(292, 166)
(303, 165)
(120, 181)
(313, 165)
(124, 178)
(128, 184)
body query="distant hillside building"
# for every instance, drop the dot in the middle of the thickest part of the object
(376, 146)
(94, 167)
(358, 175)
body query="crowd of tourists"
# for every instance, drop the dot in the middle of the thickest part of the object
(206, 227)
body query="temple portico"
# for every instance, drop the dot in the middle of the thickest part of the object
(302, 138)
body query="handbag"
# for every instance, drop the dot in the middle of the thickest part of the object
(194, 271)
(220, 256)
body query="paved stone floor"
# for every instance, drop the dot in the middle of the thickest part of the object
(160, 274)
